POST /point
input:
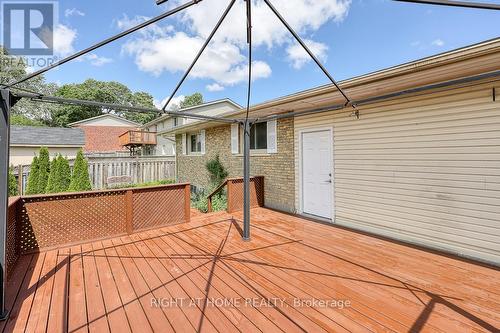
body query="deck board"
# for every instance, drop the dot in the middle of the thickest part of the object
(112, 285)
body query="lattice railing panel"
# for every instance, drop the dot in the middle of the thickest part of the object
(159, 207)
(235, 193)
(55, 220)
(12, 242)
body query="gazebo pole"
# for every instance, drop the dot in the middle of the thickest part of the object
(6, 101)
(246, 180)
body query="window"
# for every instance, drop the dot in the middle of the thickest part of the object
(258, 136)
(195, 143)
(176, 122)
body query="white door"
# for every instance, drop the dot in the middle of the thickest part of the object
(317, 173)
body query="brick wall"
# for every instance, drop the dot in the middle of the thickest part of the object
(278, 169)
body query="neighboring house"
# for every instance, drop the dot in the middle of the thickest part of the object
(166, 143)
(25, 142)
(102, 134)
(422, 166)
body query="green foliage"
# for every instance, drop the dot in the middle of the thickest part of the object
(200, 200)
(13, 68)
(148, 184)
(43, 170)
(64, 174)
(107, 92)
(80, 180)
(192, 100)
(216, 171)
(12, 184)
(142, 99)
(60, 175)
(31, 187)
(22, 120)
(52, 176)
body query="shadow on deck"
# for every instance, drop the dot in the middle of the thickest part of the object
(294, 275)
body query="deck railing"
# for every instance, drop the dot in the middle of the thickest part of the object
(138, 138)
(234, 189)
(48, 221)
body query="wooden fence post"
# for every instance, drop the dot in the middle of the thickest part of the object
(229, 195)
(20, 171)
(129, 211)
(187, 202)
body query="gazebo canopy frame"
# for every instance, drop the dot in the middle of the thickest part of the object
(9, 98)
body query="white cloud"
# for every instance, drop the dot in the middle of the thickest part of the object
(298, 56)
(97, 61)
(221, 62)
(73, 12)
(214, 87)
(64, 37)
(173, 105)
(437, 42)
(152, 30)
(159, 49)
(303, 15)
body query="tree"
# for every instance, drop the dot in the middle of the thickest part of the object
(31, 187)
(65, 174)
(80, 180)
(106, 92)
(43, 171)
(192, 100)
(13, 68)
(22, 120)
(60, 175)
(12, 183)
(144, 100)
(53, 176)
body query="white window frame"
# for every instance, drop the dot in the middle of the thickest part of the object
(199, 141)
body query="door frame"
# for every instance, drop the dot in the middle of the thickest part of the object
(300, 163)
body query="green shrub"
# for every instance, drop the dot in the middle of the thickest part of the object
(64, 174)
(43, 170)
(51, 183)
(80, 179)
(31, 187)
(12, 184)
(60, 175)
(200, 201)
(155, 183)
(216, 171)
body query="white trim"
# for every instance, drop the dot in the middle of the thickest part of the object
(184, 144)
(105, 116)
(272, 136)
(301, 199)
(235, 138)
(202, 140)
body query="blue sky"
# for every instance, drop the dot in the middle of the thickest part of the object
(352, 38)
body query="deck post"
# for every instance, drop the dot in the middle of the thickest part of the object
(246, 180)
(6, 102)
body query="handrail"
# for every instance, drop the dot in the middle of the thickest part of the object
(214, 192)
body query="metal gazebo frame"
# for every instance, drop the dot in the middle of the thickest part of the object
(8, 99)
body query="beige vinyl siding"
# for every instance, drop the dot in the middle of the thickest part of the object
(423, 169)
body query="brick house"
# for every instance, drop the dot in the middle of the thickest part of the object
(102, 134)
(419, 162)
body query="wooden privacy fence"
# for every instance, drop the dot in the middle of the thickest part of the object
(106, 172)
(48, 221)
(234, 192)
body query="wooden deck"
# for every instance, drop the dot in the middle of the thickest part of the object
(295, 275)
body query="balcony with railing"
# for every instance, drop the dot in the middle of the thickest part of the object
(137, 138)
